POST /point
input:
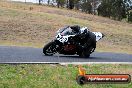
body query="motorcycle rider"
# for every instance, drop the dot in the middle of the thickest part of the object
(84, 32)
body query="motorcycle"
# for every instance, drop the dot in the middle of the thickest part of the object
(66, 42)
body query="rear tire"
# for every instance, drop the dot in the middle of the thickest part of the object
(84, 55)
(86, 52)
(48, 49)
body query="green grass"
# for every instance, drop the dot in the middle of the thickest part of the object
(21, 26)
(56, 76)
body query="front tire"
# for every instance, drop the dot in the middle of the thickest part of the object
(49, 49)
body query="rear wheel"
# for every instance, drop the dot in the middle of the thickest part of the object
(49, 49)
(84, 54)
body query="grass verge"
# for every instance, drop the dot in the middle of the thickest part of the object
(56, 76)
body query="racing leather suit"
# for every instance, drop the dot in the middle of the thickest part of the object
(89, 37)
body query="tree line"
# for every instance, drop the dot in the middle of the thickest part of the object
(114, 9)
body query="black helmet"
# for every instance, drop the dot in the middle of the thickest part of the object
(76, 28)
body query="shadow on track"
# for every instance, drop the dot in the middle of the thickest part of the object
(77, 57)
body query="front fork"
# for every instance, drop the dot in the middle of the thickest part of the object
(57, 45)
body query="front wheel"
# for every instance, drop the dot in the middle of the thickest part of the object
(49, 49)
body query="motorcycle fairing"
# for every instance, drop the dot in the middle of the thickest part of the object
(99, 35)
(62, 38)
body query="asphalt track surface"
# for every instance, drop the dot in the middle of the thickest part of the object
(9, 54)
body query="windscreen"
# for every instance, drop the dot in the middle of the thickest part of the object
(66, 31)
